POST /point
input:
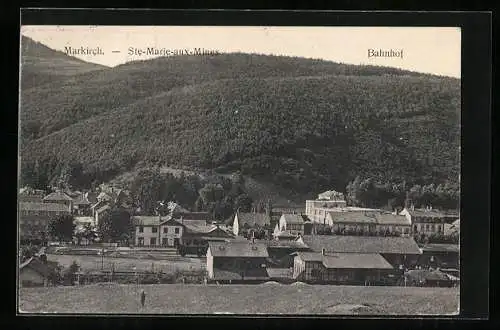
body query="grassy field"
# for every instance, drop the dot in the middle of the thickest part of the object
(241, 299)
(89, 263)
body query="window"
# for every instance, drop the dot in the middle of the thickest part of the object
(154, 229)
(152, 241)
(406, 230)
(141, 229)
(176, 230)
(433, 228)
(164, 241)
(415, 228)
(165, 230)
(439, 228)
(140, 241)
(427, 227)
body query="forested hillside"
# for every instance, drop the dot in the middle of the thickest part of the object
(305, 133)
(41, 65)
(300, 125)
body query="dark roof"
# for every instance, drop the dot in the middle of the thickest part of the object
(40, 206)
(57, 196)
(276, 244)
(347, 260)
(193, 222)
(362, 244)
(441, 248)
(427, 275)
(279, 272)
(146, 220)
(285, 234)
(252, 219)
(225, 275)
(431, 213)
(193, 216)
(294, 218)
(238, 249)
(384, 218)
(351, 217)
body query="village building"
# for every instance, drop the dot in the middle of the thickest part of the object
(340, 268)
(81, 205)
(60, 197)
(100, 211)
(28, 194)
(428, 221)
(34, 219)
(452, 228)
(237, 261)
(281, 252)
(197, 237)
(283, 235)
(400, 252)
(35, 272)
(171, 232)
(440, 256)
(330, 201)
(315, 209)
(250, 220)
(147, 230)
(295, 224)
(430, 278)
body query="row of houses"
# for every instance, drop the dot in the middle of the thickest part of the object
(321, 259)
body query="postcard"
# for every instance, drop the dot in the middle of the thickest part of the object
(246, 170)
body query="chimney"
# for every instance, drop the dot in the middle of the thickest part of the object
(323, 252)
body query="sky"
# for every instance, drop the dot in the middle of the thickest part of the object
(434, 50)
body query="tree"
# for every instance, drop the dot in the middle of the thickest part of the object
(89, 232)
(62, 227)
(115, 226)
(243, 202)
(146, 190)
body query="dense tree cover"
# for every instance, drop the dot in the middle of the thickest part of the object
(369, 193)
(220, 196)
(115, 226)
(304, 133)
(95, 92)
(62, 227)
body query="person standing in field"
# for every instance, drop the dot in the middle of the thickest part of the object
(143, 298)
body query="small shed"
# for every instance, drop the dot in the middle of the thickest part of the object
(34, 272)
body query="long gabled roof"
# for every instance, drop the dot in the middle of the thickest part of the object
(352, 217)
(441, 247)
(238, 249)
(431, 213)
(362, 244)
(347, 260)
(46, 207)
(57, 196)
(294, 218)
(146, 220)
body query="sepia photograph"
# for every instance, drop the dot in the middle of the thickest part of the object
(246, 170)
